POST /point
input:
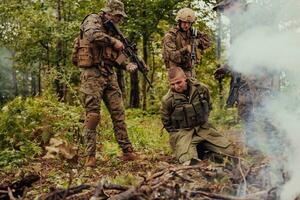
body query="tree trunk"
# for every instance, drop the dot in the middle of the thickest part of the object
(15, 83)
(25, 89)
(134, 85)
(33, 84)
(121, 82)
(219, 50)
(59, 87)
(145, 57)
(154, 68)
(39, 87)
(134, 90)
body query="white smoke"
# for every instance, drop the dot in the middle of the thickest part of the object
(266, 39)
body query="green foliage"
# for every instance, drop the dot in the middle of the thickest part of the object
(39, 36)
(144, 130)
(11, 157)
(125, 179)
(225, 118)
(26, 124)
(41, 33)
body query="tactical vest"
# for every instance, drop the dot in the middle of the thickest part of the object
(189, 114)
(108, 55)
(86, 53)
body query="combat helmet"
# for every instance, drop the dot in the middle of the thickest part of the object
(114, 7)
(186, 15)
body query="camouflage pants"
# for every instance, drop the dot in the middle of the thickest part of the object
(250, 97)
(245, 103)
(95, 87)
(252, 112)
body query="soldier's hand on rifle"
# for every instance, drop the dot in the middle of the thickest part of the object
(131, 67)
(118, 45)
(220, 73)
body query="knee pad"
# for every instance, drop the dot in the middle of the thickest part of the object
(92, 120)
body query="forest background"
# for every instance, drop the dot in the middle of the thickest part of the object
(39, 95)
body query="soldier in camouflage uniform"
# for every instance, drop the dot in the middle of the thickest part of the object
(99, 82)
(177, 43)
(244, 102)
(252, 89)
(184, 112)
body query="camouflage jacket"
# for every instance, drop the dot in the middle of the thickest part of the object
(173, 102)
(93, 29)
(175, 52)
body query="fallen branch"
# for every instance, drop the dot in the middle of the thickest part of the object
(243, 176)
(10, 194)
(128, 194)
(111, 186)
(228, 197)
(60, 194)
(183, 178)
(17, 188)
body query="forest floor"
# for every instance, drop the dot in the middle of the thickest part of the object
(155, 175)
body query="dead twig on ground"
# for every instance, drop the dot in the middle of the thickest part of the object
(228, 197)
(10, 194)
(17, 188)
(60, 194)
(243, 176)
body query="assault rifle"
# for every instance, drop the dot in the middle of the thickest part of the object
(193, 49)
(235, 83)
(129, 50)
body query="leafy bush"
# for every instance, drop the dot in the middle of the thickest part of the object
(27, 124)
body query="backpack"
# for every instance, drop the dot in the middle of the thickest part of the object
(82, 53)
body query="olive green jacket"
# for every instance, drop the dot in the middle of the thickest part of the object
(180, 139)
(168, 105)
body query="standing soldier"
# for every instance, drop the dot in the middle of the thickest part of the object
(248, 91)
(183, 45)
(98, 51)
(239, 89)
(184, 112)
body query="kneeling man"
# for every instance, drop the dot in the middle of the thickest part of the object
(184, 113)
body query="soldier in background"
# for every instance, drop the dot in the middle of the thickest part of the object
(184, 45)
(184, 112)
(247, 91)
(239, 91)
(98, 53)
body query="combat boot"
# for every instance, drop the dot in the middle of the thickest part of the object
(90, 161)
(129, 155)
